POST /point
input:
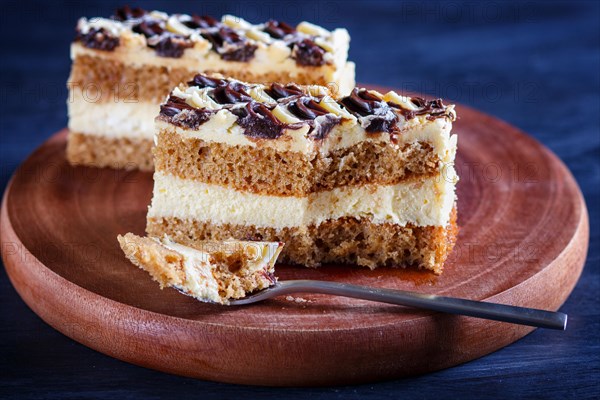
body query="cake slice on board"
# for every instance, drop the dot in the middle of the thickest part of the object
(211, 271)
(365, 179)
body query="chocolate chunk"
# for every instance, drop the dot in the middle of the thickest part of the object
(278, 29)
(203, 81)
(230, 45)
(258, 121)
(201, 22)
(362, 102)
(432, 108)
(126, 13)
(172, 46)
(278, 91)
(365, 104)
(181, 114)
(98, 39)
(323, 126)
(306, 108)
(232, 93)
(306, 52)
(149, 28)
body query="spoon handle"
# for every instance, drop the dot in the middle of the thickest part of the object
(478, 309)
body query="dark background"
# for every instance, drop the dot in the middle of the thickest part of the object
(533, 64)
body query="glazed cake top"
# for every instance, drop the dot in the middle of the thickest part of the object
(232, 38)
(274, 110)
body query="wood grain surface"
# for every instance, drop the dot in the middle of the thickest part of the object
(523, 241)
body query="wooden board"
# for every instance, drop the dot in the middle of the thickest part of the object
(523, 241)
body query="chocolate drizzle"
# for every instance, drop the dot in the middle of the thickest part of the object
(180, 113)
(379, 116)
(126, 13)
(230, 44)
(231, 93)
(432, 108)
(278, 91)
(98, 39)
(306, 52)
(278, 30)
(258, 120)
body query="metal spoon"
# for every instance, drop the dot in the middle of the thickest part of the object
(478, 309)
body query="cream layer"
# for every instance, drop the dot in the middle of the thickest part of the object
(426, 202)
(222, 128)
(112, 119)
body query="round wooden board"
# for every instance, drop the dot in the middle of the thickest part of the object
(523, 241)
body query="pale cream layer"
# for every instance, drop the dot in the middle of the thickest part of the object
(111, 119)
(266, 60)
(425, 202)
(222, 128)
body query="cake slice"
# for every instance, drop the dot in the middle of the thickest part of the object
(211, 271)
(125, 66)
(366, 179)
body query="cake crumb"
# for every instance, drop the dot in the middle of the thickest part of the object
(297, 299)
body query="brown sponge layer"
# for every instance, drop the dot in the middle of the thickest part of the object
(102, 151)
(268, 171)
(120, 82)
(344, 241)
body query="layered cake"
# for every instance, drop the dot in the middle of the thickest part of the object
(124, 67)
(211, 271)
(364, 179)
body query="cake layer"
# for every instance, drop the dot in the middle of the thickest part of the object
(344, 241)
(248, 168)
(420, 202)
(114, 152)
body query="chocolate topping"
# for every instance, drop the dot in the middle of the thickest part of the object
(278, 29)
(149, 28)
(172, 46)
(230, 45)
(362, 103)
(98, 39)
(258, 121)
(278, 91)
(306, 108)
(203, 81)
(324, 126)
(126, 13)
(181, 114)
(200, 22)
(232, 93)
(432, 108)
(306, 52)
